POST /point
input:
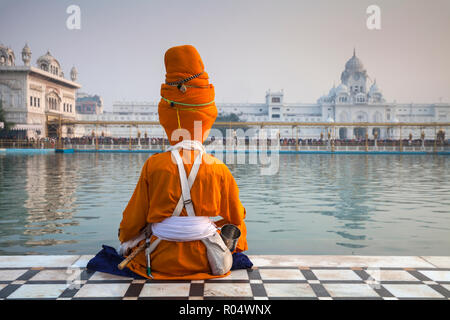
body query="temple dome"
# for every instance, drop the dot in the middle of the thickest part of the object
(48, 63)
(354, 64)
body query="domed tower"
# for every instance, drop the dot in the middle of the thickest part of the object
(342, 94)
(48, 63)
(7, 57)
(26, 55)
(73, 74)
(354, 76)
(375, 93)
(332, 93)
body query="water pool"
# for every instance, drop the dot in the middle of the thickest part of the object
(315, 204)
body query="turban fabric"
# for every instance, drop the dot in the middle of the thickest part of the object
(180, 107)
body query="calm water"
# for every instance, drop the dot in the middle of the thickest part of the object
(315, 204)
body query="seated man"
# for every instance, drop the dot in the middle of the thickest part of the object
(179, 220)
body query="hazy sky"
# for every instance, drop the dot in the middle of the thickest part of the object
(248, 46)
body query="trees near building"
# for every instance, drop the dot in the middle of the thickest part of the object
(5, 126)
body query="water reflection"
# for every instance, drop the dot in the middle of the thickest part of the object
(51, 203)
(350, 204)
(315, 204)
(37, 201)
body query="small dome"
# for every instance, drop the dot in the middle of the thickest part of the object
(48, 63)
(332, 92)
(7, 57)
(26, 55)
(26, 49)
(374, 89)
(73, 73)
(47, 58)
(341, 89)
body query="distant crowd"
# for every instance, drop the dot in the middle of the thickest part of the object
(359, 142)
(157, 141)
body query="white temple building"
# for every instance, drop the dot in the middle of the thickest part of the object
(355, 100)
(31, 96)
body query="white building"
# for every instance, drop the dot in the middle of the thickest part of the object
(355, 100)
(33, 95)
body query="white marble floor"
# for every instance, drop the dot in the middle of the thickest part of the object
(272, 277)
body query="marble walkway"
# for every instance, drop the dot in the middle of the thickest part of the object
(272, 277)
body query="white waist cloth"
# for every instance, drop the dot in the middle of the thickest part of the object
(177, 228)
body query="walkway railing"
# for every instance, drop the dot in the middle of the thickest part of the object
(27, 144)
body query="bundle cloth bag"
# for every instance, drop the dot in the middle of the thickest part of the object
(219, 257)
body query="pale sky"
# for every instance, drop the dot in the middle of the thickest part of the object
(248, 46)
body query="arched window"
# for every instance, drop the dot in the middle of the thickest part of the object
(52, 103)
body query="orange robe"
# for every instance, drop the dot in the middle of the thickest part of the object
(214, 193)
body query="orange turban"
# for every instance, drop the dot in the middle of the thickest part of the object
(187, 96)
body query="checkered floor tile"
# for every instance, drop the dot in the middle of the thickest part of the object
(259, 283)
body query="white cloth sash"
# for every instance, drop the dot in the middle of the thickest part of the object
(176, 228)
(184, 228)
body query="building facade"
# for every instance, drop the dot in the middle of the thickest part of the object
(89, 104)
(33, 96)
